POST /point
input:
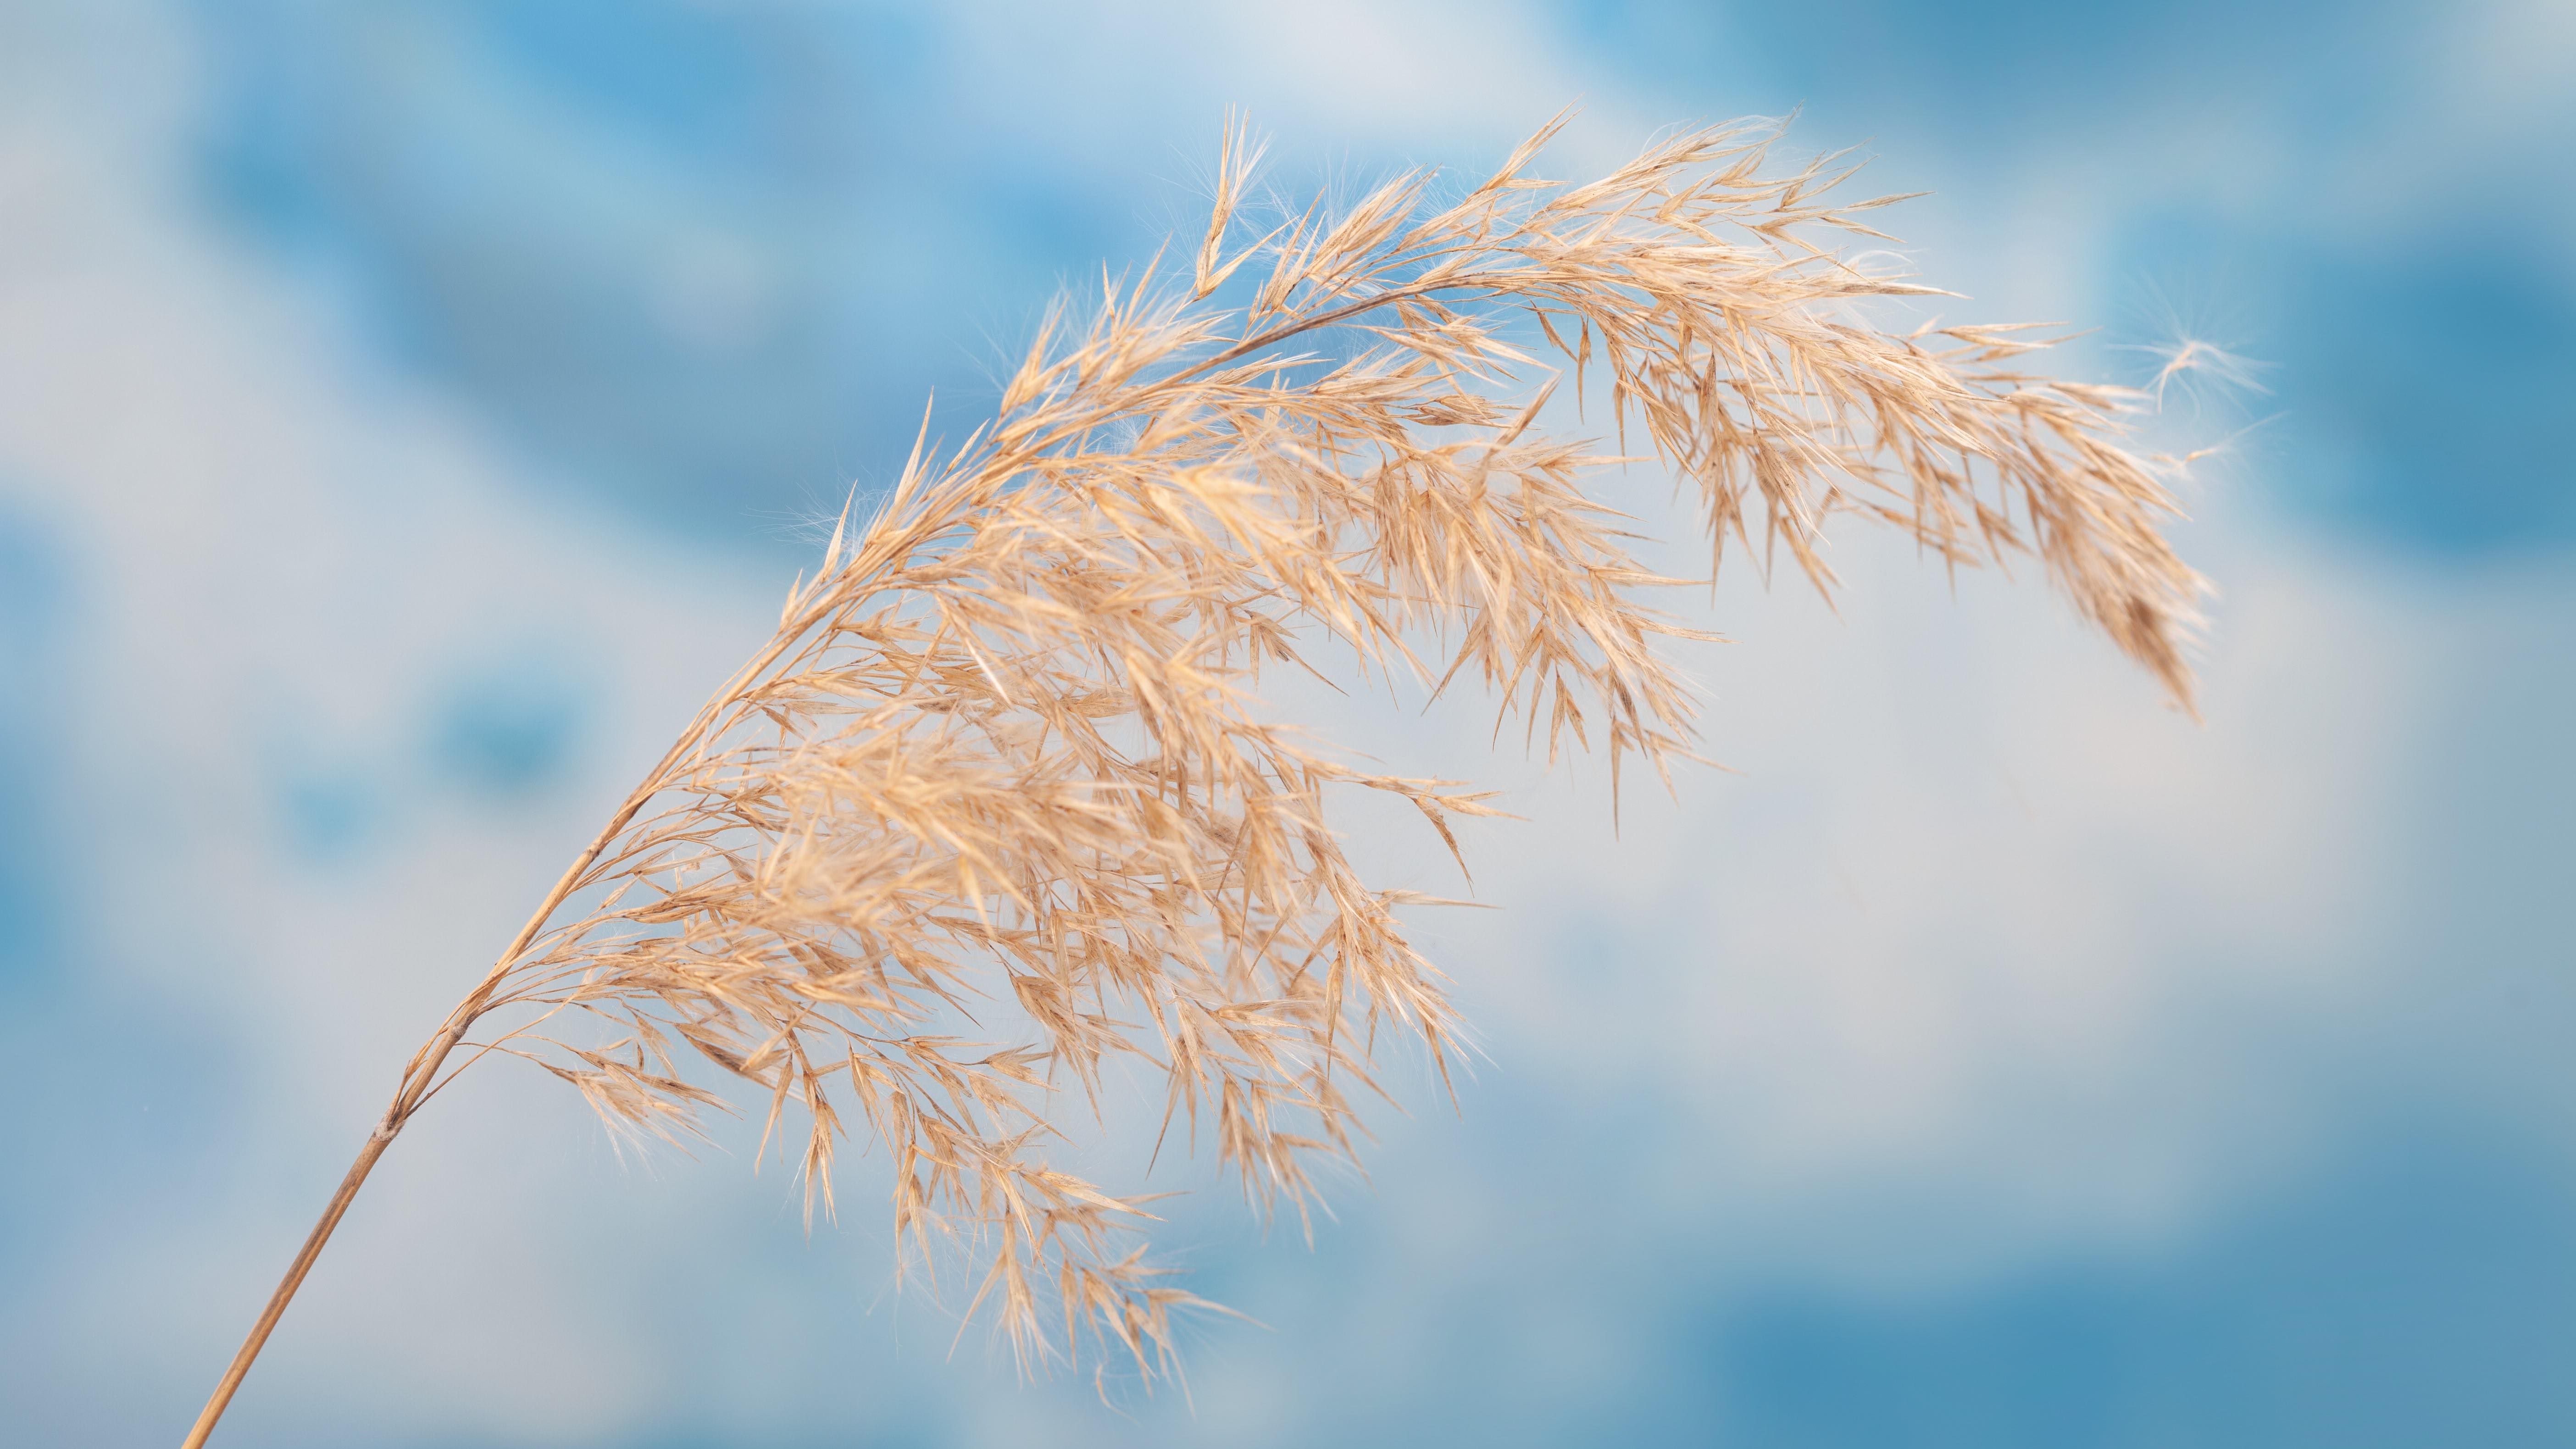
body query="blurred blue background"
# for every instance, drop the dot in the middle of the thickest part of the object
(408, 408)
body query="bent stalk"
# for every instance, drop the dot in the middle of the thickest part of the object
(420, 1079)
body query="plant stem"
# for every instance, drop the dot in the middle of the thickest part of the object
(416, 1084)
(421, 1077)
(377, 1142)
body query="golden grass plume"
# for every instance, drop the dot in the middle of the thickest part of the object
(1005, 743)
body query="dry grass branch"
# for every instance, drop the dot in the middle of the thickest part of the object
(1006, 745)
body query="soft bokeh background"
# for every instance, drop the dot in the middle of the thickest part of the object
(408, 408)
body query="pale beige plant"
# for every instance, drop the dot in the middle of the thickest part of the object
(1005, 751)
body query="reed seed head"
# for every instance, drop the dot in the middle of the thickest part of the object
(1005, 751)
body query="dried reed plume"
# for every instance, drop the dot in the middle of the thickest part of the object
(1004, 745)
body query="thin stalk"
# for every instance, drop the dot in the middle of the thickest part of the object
(421, 1076)
(377, 1142)
(415, 1088)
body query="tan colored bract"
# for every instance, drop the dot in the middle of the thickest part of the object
(1005, 745)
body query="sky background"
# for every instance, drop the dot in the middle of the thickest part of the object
(407, 410)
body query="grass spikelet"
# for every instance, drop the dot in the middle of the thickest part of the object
(1005, 747)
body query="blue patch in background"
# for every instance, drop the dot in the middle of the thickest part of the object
(2424, 1296)
(506, 730)
(685, 79)
(2446, 376)
(328, 814)
(673, 255)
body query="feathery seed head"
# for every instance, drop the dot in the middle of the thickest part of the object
(1005, 747)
